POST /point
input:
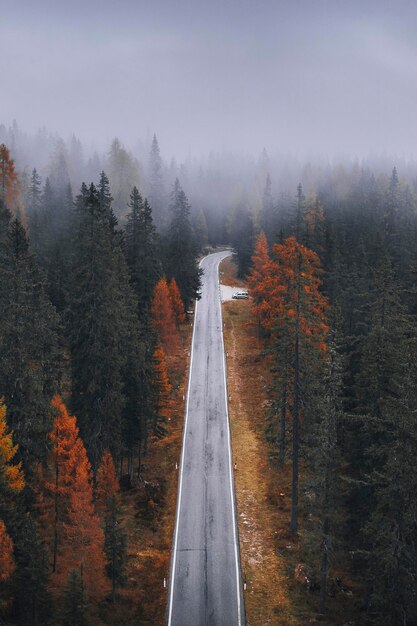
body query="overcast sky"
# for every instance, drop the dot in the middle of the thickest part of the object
(301, 75)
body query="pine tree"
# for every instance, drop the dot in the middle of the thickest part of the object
(35, 192)
(181, 250)
(31, 363)
(156, 185)
(97, 323)
(267, 211)
(32, 602)
(124, 173)
(243, 239)
(142, 252)
(73, 605)
(325, 507)
(201, 230)
(107, 504)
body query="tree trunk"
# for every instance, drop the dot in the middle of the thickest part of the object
(283, 425)
(324, 569)
(296, 410)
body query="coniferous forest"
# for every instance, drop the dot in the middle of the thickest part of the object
(98, 277)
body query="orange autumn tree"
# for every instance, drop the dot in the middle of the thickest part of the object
(11, 482)
(294, 312)
(163, 317)
(177, 303)
(163, 401)
(301, 325)
(107, 485)
(11, 474)
(82, 548)
(262, 282)
(58, 479)
(8, 179)
(66, 489)
(7, 564)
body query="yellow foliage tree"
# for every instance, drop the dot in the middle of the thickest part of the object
(11, 474)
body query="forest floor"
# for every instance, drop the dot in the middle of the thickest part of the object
(269, 555)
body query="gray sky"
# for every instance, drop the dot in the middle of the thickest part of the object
(289, 75)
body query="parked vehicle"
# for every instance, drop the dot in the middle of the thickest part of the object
(240, 295)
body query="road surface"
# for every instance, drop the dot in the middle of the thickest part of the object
(205, 583)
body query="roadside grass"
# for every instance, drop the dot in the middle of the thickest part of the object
(227, 273)
(269, 554)
(148, 519)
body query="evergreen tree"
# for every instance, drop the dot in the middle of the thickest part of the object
(142, 252)
(156, 185)
(181, 250)
(74, 607)
(243, 240)
(32, 602)
(107, 503)
(31, 367)
(97, 325)
(201, 230)
(35, 192)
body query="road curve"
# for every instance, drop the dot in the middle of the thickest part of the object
(205, 584)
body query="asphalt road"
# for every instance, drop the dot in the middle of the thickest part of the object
(205, 583)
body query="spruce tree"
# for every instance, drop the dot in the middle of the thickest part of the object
(181, 250)
(31, 360)
(142, 252)
(156, 185)
(73, 605)
(96, 326)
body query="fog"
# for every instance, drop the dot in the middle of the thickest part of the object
(307, 77)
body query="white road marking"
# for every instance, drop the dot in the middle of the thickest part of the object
(184, 439)
(239, 611)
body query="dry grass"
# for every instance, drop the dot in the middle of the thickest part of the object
(261, 522)
(228, 273)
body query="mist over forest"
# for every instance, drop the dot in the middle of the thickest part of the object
(232, 180)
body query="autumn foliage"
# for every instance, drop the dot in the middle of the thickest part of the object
(69, 523)
(177, 303)
(107, 485)
(11, 474)
(83, 539)
(7, 564)
(8, 180)
(286, 291)
(162, 388)
(163, 317)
